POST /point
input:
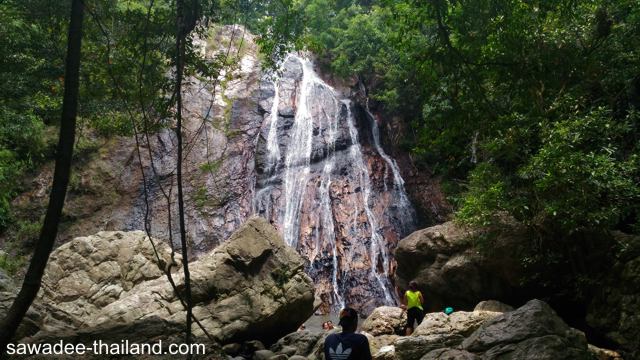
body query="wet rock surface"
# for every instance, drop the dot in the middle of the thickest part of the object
(325, 181)
(449, 354)
(110, 287)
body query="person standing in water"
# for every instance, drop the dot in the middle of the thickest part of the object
(413, 301)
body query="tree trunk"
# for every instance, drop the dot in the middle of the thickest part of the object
(49, 230)
(180, 54)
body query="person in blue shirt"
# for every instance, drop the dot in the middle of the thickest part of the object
(347, 345)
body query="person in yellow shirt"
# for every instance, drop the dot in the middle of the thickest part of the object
(413, 301)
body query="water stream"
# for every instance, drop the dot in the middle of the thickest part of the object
(317, 188)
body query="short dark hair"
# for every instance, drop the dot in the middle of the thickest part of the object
(348, 318)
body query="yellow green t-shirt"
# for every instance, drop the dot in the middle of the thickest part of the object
(413, 299)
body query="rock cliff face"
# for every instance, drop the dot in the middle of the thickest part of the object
(289, 148)
(335, 194)
(111, 286)
(115, 189)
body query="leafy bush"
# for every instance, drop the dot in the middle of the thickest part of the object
(10, 170)
(10, 264)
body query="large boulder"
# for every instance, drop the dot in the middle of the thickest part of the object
(459, 324)
(90, 273)
(304, 342)
(439, 330)
(532, 331)
(493, 305)
(37, 314)
(386, 320)
(449, 354)
(381, 343)
(112, 287)
(451, 272)
(415, 347)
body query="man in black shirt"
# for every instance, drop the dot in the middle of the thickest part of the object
(347, 345)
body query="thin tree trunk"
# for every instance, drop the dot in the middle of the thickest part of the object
(49, 230)
(180, 54)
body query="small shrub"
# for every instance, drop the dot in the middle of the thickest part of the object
(11, 264)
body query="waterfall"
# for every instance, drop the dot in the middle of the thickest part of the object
(376, 247)
(298, 157)
(403, 204)
(273, 148)
(316, 186)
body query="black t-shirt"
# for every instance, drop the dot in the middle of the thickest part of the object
(348, 346)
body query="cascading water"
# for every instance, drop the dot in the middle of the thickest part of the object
(403, 203)
(272, 141)
(325, 191)
(365, 182)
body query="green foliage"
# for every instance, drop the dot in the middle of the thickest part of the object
(10, 169)
(580, 177)
(532, 105)
(211, 166)
(128, 49)
(11, 264)
(200, 197)
(528, 110)
(279, 27)
(27, 232)
(486, 196)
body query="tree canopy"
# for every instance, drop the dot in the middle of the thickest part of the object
(528, 108)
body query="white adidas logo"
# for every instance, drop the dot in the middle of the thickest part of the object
(338, 353)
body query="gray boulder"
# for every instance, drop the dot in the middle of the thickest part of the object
(441, 331)
(604, 354)
(385, 353)
(288, 350)
(382, 345)
(415, 347)
(111, 287)
(459, 323)
(279, 357)
(450, 354)
(305, 343)
(451, 272)
(493, 305)
(263, 355)
(297, 357)
(532, 331)
(386, 320)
